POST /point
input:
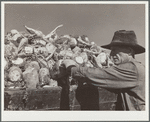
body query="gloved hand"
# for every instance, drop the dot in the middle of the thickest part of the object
(69, 62)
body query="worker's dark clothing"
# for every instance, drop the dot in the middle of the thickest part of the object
(88, 97)
(127, 78)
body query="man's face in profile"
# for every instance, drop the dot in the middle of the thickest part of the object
(119, 54)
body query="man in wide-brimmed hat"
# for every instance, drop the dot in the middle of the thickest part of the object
(127, 76)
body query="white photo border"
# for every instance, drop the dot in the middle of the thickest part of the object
(77, 115)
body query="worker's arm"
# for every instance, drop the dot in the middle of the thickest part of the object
(122, 76)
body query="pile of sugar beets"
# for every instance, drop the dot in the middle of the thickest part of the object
(34, 60)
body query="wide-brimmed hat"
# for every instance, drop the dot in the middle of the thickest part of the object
(125, 38)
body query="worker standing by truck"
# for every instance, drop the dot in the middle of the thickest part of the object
(126, 77)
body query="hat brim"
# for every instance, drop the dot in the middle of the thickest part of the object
(137, 48)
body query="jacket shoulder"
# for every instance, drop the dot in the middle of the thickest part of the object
(129, 65)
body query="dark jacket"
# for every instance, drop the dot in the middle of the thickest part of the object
(128, 79)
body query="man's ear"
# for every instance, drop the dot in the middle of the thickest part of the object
(131, 52)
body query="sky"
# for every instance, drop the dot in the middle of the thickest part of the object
(97, 21)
